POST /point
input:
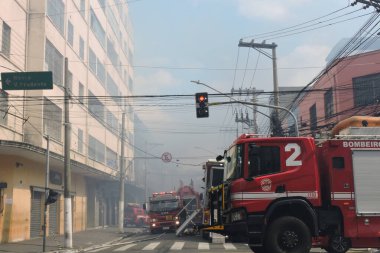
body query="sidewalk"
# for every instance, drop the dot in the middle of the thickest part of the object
(81, 240)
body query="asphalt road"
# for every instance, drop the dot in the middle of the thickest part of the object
(142, 241)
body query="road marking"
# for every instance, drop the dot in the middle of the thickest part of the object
(125, 247)
(203, 246)
(100, 249)
(229, 246)
(177, 246)
(151, 246)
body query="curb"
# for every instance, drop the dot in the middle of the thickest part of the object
(88, 248)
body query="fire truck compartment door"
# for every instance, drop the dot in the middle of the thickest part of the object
(367, 181)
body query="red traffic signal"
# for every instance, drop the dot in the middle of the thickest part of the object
(201, 104)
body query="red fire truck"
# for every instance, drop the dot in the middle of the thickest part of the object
(163, 209)
(287, 194)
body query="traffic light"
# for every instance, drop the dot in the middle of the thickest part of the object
(52, 198)
(201, 104)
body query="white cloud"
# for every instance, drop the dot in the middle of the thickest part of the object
(271, 10)
(302, 57)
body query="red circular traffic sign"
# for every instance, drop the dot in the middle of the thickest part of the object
(166, 157)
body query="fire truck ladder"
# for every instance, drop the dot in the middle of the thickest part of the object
(189, 218)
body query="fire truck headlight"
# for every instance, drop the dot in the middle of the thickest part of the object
(153, 224)
(177, 222)
(154, 220)
(237, 215)
(176, 218)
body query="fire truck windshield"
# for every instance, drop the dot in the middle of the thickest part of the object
(164, 205)
(233, 162)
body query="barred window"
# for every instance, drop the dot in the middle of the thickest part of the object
(366, 90)
(6, 40)
(52, 120)
(55, 62)
(329, 103)
(55, 11)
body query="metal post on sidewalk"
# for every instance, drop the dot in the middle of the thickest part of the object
(46, 192)
(68, 228)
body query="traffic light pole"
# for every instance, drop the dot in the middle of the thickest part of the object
(46, 191)
(262, 105)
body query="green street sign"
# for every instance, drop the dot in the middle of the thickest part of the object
(27, 80)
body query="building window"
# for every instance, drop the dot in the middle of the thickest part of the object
(3, 108)
(81, 93)
(111, 159)
(83, 8)
(97, 67)
(366, 90)
(56, 13)
(70, 33)
(329, 103)
(313, 117)
(96, 150)
(112, 121)
(54, 61)
(97, 28)
(52, 119)
(80, 140)
(6, 40)
(96, 107)
(81, 48)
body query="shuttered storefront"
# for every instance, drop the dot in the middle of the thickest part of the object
(53, 218)
(35, 214)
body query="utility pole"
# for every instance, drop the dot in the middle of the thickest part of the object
(46, 191)
(253, 92)
(273, 46)
(68, 228)
(121, 200)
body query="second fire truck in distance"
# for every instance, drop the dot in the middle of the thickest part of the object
(287, 194)
(163, 209)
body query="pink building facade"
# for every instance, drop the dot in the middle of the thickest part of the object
(351, 87)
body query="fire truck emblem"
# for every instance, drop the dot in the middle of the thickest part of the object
(266, 184)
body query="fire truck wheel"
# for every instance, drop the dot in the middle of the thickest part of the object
(338, 244)
(288, 234)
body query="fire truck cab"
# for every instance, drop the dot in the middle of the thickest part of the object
(163, 209)
(287, 194)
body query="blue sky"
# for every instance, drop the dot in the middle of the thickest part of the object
(177, 41)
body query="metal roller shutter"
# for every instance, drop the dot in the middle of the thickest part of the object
(53, 218)
(35, 214)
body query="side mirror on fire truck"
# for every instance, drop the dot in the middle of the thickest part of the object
(219, 158)
(144, 206)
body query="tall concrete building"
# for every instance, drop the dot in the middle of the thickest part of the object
(96, 38)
